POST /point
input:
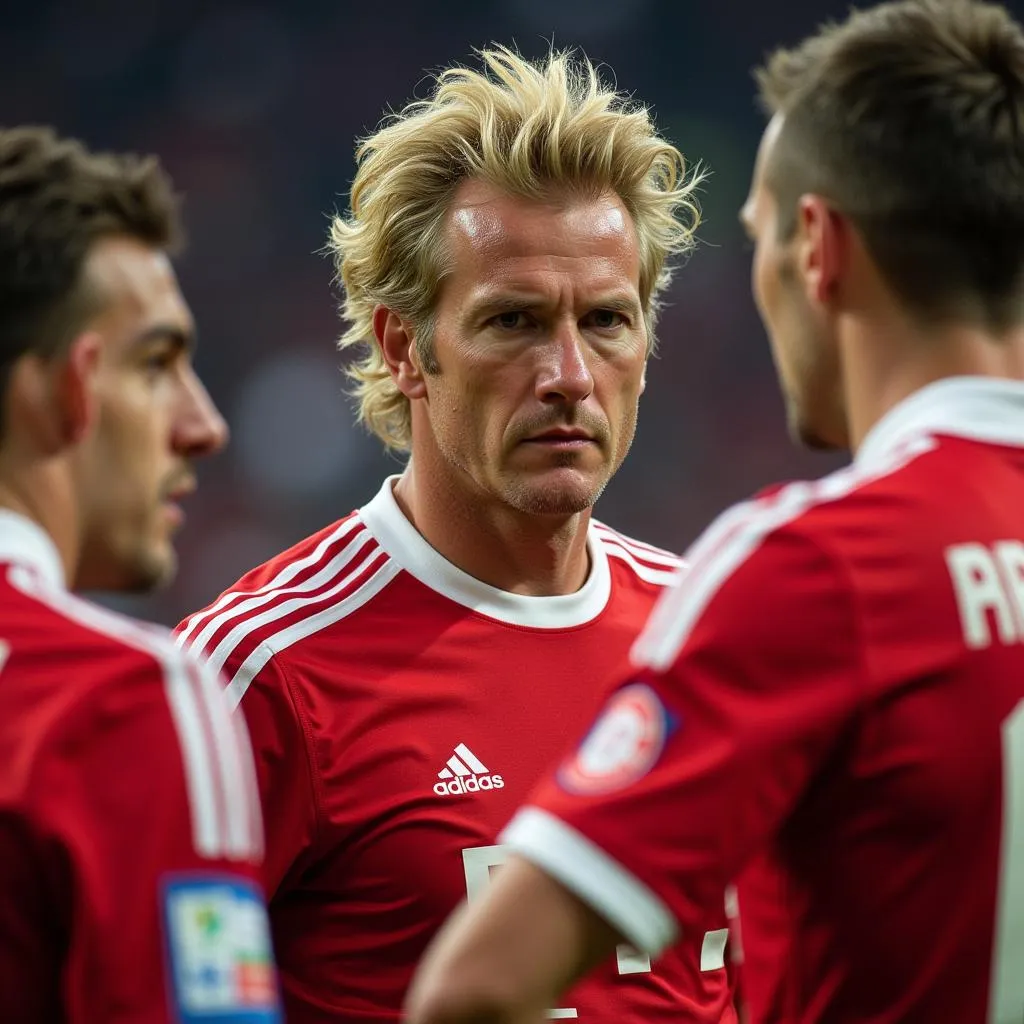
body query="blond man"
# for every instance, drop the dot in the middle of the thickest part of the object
(409, 671)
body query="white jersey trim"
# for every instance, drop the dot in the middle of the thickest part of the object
(25, 542)
(219, 614)
(731, 540)
(985, 409)
(648, 563)
(644, 552)
(308, 592)
(598, 879)
(660, 577)
(225, 821)
(309, 625)
(404, 543)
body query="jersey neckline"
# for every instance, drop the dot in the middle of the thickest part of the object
(985, 409)
(407, 546)
(25, 542)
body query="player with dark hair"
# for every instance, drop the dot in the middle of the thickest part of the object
(130, 831)
(829, 707)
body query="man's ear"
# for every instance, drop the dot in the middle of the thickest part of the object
(76, 386)
(55, 398)
(398, 347)
(821, 248)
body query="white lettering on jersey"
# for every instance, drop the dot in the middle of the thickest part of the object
(989, 586)
(473, 784)
(464, 772)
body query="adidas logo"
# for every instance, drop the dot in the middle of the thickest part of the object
(465, 773)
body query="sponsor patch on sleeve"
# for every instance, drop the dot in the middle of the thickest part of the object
(623, 745)
(221, 968)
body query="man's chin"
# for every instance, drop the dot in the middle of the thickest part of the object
(155, 572)
(554, 497)
(143, 574)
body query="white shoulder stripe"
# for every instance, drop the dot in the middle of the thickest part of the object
(731, 540)
(232, 764)
(197, 757)
(216, 616)
(223, 822)
(647, 552)
(248, 767)
(297, 631)
(662, 577)
(301, 595)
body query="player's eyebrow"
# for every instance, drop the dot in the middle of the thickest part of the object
(514, 303)
(176, 335)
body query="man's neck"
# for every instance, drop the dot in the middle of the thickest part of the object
(531, 555)
(881, 370)
(37, 494)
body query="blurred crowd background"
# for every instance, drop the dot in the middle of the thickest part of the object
(254, 108)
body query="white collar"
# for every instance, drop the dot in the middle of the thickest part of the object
(25, 542)
(404, 543)
(986, 409)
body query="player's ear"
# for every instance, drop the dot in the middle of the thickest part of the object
(820, 247)
(76, 386)
(55, 398)
(398, 348)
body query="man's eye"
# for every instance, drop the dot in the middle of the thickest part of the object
(159, 362)
(510, 321)
(607, 319)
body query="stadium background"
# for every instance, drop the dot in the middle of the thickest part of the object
(254, 108)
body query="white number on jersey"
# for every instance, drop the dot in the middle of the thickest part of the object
(477, 862)
(1006, 1005)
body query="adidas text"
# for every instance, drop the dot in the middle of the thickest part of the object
(470, 784)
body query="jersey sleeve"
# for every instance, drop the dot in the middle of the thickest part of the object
(136, 859)
(282, 744)
(259, 684)
(745, 678)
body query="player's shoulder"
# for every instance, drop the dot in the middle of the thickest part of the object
(55, 630)
(784, 522)
(71, 664)
(289, 598)
(638, 564)
(787, 559)
(318, 551)
(791, 544)
(865, 502)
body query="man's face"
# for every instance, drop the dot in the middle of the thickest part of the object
(540, 346)
(154, 417)
(800, 332)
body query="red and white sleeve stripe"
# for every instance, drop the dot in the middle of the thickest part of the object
(216, 756)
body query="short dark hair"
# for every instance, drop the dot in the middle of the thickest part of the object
(56, 200)
(909, 117)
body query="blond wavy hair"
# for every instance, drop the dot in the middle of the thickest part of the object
(528, 128)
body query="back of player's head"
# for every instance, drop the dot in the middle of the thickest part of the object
(56, 200)
(531, 129)
(909, 118)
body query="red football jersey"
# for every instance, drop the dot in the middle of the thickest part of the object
(830, 709)
(400, 710)
(130, 834)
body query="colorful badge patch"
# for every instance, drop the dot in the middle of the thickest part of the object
(622, 746)
(218, 945)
